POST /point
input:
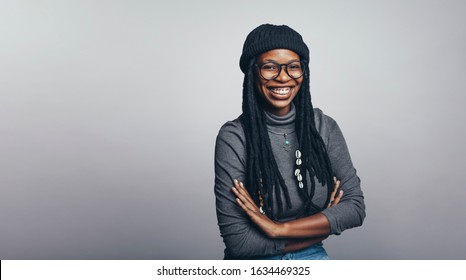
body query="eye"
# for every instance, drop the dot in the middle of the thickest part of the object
(294, 66)
(269, 67)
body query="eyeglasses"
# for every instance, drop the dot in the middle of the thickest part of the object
(271, 70)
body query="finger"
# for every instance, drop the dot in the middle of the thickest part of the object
(244, 200)
(246, 197)
(246, 209)
(337, 186)
(256, 218)
(335, 189)
(235, 187)
(338, 198)
(330, 203)
(334, 183)
(334, 194)
(242, 190)
(241, 204)
(245, 192)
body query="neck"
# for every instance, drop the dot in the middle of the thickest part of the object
(280, 120)
(278, 112)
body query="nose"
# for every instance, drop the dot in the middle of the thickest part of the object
(283, 75)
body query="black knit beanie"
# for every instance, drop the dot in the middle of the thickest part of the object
(267, 37)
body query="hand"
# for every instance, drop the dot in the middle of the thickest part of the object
(271, 229)
(336, 195)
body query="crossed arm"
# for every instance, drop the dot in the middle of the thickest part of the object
(237, 219)
(299, 233)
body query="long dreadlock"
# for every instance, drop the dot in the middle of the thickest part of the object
(263, 176)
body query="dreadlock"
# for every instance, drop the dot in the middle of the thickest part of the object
(263, 176)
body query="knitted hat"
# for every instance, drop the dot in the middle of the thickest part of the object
(267, 37)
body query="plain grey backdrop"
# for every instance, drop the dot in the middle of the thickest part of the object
(109, 112)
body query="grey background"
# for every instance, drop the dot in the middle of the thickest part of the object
(109, 112)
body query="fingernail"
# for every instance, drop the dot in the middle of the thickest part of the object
(236, 181)
(241, 184)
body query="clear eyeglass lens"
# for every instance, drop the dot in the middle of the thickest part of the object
(271, 70)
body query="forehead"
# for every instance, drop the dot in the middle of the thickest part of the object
(278, 55)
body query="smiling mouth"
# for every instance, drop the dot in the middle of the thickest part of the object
(280, 90)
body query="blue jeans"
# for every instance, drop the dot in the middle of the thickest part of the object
(315, 252)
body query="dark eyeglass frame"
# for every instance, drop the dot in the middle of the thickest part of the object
(259, 67)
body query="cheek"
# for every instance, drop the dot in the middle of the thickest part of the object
(298, 88)
(300, 84)
(261, 87)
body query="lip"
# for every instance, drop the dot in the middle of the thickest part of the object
(280, 96)
(280, 86)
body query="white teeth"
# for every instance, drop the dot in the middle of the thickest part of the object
(281, 91)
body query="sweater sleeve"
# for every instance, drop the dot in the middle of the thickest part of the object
(350, 212)
(242, 239)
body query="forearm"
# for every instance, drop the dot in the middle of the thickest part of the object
(304, 232)
(242, 239)
(292, 245)
(313, 226)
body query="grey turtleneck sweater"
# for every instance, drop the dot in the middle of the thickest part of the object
(243, 239)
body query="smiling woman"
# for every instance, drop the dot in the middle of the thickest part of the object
(276, 165)
(278, 88)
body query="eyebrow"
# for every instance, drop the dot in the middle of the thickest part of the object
(274, 61)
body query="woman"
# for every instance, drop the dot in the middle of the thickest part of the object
(275, 166)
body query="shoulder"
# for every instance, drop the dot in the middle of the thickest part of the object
(324, 124)
(330, 132)
(232, 132)
(230, 144)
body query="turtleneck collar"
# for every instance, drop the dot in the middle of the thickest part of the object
(283, 122)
